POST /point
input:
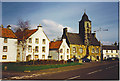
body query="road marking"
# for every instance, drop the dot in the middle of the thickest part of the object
(94, 71)
(73, 77)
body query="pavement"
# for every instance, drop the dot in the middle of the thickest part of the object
(41, 73)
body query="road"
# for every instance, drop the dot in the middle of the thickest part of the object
(91, 71)
(103, 72)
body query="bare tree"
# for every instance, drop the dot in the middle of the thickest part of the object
(20, 32)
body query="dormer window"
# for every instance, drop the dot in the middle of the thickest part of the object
(30, 40)
(5, 40)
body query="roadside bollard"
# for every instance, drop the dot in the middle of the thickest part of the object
(5, 68)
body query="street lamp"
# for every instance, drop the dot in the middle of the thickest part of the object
(99, 30)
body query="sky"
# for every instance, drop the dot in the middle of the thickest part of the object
(54, 16)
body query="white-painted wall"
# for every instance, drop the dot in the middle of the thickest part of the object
(11, 50)
(109, 53)
(64, 46)
(40, 35)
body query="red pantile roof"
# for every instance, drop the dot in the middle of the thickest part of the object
(25, 34)
(5, 32)
(55, 45)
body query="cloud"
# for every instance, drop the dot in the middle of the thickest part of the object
(53, 29)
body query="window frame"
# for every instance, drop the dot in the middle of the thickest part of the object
(4, 49)
(43, 49)
(5, 40)
(81, 49)
(4, 57)
(36, 50)
(37, 40)
(74, 49)
(43, 41)
(30, 49)
(30, 40)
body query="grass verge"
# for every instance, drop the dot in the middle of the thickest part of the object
(21, 68)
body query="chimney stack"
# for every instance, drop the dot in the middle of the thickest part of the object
(94, 34)
(2, 26)
(9, 27)
(39, 27)
(64, 30)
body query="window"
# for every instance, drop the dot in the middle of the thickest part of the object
(93, 50)
(87, 24)
(106, 51)
(43, 41)
(61, 50)
(61, 57)
(111, 51)
(67, 56)
(5, 40)
(37, 41)
(4, 48)
(111, 55)
(30, 40)
(36, 49)
(81, 50)
(29, 48)
(97, 50)
(74, 49)
(67, 50)
(4, 57)
(43, 49)
(36, 57)
(116, 51)
(43, 56)
(107, 56)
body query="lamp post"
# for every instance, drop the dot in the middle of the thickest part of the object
(99, 30)
(33, 56)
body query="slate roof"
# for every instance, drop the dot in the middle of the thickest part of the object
(27, 33)
(7, 33)
(54, 45)
(94, 41)
(85, 18)
(74, 38)
(110, 47)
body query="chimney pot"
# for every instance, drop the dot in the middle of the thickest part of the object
(9, 27)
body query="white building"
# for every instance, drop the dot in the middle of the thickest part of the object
(8, 45)
(59, 50)
(36, 44)
(110, 51)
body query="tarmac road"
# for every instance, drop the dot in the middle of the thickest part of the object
(88, 71)
(103, 72)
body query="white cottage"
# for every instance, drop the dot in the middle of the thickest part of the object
(33, 44)
(110, 51)
(8, 45)
(59, 50)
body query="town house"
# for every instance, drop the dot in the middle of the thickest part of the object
(8, 45)
(32, 44)
(59, 50)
